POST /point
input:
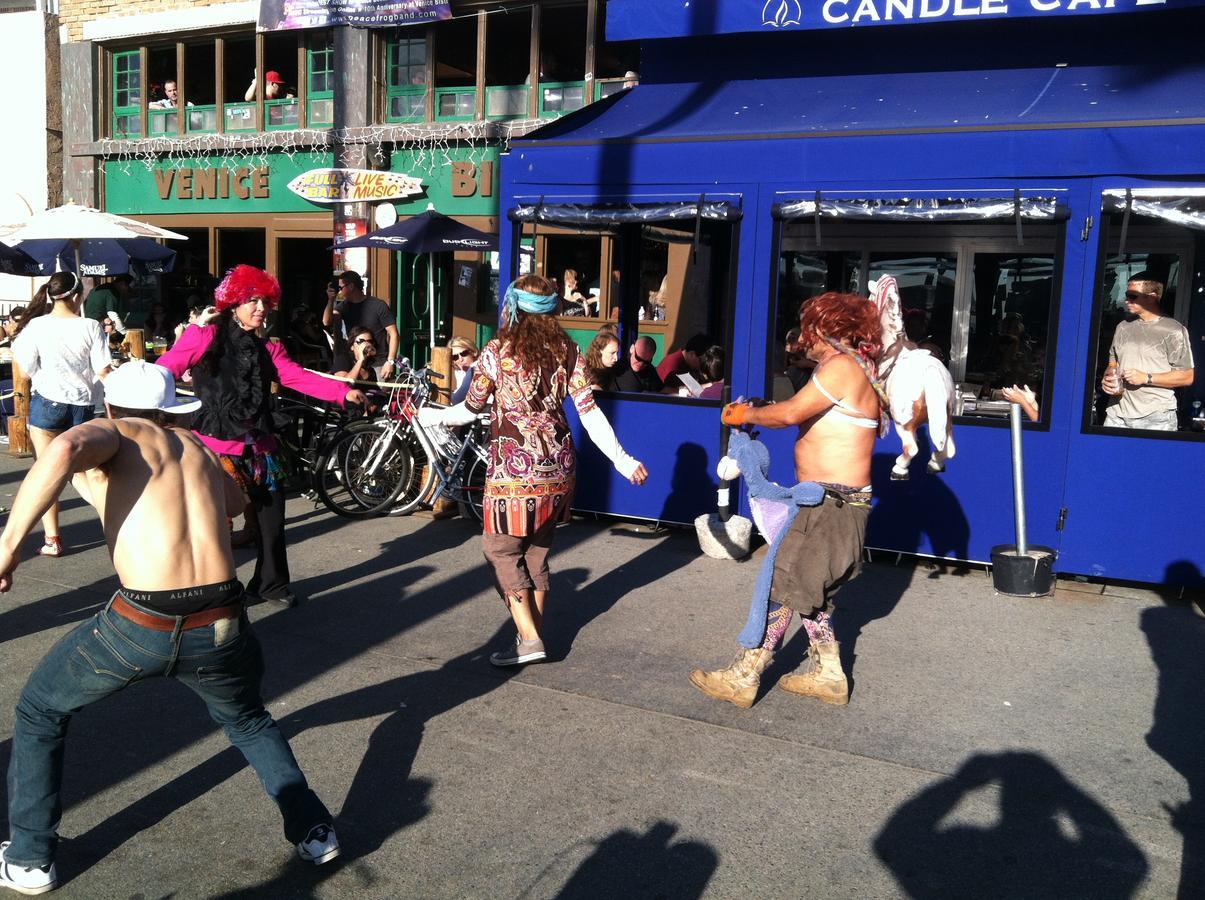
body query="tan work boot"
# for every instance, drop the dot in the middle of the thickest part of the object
(738, 683)
(821, 677)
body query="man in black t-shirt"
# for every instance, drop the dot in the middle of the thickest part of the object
(355, 309)
(638, 374)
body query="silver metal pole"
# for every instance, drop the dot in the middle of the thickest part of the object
(1014, 422)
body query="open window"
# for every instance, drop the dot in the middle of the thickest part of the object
(978, 280)
(209, 85)
(508, 63)
(660, 274)
(456, 69)
(562, 58)
(1149, 311)
(616, 63)
(406, 75)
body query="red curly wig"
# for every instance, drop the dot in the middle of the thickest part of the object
(849, 318)
(243, 283)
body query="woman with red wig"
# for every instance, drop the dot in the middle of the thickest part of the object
(233, 370)
(838, 413)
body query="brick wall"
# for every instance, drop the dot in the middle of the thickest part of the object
(74, 13)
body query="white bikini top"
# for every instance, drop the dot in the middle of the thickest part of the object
(847, 413)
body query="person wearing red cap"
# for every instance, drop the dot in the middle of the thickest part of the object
(275, 87)
(233, 370)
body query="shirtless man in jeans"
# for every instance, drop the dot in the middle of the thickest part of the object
(163, 500)
(837, 413)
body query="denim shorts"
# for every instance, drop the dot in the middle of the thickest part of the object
(50, 415)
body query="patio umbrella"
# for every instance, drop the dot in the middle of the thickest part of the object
(430, 232)
(18, 262)
(53, 233)
(112, 256)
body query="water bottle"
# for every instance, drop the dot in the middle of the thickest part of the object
(1113, 383)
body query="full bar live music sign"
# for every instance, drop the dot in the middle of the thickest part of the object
(354, 185)
(277, 15)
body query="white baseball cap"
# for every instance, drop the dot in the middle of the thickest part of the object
(138, 384)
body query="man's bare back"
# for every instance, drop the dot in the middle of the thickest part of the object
(163, 500)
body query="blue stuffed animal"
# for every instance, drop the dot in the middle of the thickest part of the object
(774, 508)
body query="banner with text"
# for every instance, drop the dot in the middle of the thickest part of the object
(280, 15)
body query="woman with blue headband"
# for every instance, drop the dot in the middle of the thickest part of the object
(522, 378)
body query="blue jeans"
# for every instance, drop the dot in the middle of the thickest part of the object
(108, 653)
(50, 415)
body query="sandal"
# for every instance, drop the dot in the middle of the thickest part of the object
(53, 546)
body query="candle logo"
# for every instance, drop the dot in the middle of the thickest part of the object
(780, 13)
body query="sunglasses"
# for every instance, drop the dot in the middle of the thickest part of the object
(461, 354)
(364, 341)
(647, 362)
(1136, 295)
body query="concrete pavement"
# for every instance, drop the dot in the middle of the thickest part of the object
(993, 746)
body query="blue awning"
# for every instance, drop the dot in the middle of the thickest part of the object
(925, 102)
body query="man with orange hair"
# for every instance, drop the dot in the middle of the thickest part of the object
(838, 414)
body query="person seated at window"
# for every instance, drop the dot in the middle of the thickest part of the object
(638, 374)
(602, 360)
(464, 357)
(1027, 399)
(799, 365)
(275, 88)
(711, 369)
(573, 301)
(355, 361)
(916, 329)
(683, 360)
(308, 341)
(158, 326)
(170, 98)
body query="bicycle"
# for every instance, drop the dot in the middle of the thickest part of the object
(390, 465)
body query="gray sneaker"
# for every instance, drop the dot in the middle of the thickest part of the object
(524, 652)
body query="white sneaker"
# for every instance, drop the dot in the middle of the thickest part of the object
(26, 881)
(524, 652)
(320, 845)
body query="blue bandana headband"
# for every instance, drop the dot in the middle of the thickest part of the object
(516, 301)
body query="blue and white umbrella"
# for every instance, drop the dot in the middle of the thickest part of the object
(91, 242)
(18, 262)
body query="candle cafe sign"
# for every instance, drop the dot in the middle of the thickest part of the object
(629, 20)
(354, 186)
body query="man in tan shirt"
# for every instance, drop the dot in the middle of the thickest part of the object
(1153, 356)
(163, 500)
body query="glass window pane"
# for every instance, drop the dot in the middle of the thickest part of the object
(1010, 312)
(466, 104)
(926, 282)
(447, 104)
(1156, 331)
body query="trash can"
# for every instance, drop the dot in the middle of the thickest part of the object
(1031, 575)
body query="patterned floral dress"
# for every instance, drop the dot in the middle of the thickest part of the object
(532, 459)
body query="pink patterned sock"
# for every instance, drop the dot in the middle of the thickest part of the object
(819, 627)
(777, 622)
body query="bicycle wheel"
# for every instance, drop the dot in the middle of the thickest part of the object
(361, 472)
(473, 489)
(420, 481)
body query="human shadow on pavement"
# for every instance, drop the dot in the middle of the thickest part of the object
(1047, 839)
(1177, 640)
(631, 865)
(66, 608)
(692, 488)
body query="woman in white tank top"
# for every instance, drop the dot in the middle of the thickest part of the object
(64, 356)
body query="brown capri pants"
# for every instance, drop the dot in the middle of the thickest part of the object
(520, 563)
(821, 551)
